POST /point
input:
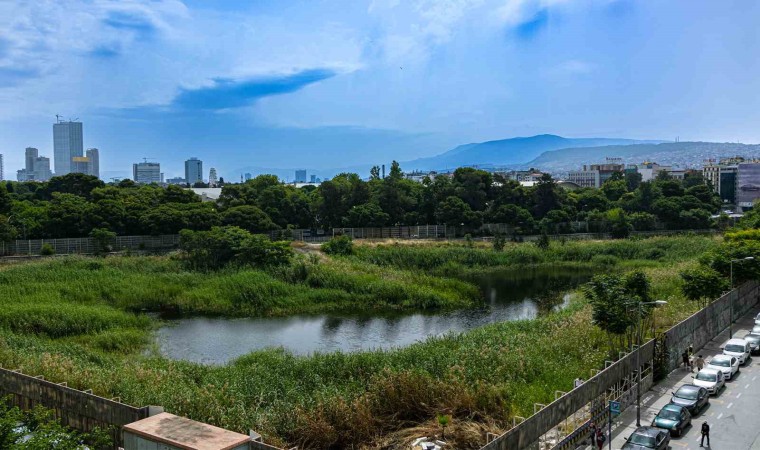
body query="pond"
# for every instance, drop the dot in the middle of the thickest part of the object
(508, 296)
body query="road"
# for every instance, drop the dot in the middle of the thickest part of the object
(733, 414)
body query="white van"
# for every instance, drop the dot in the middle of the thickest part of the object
(738, 348)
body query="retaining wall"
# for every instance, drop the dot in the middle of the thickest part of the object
(703, 326)
(76, 409)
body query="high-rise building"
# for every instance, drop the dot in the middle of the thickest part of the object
(300, 176)
(194, 171)
(313, 179)
(176, 180)
(747, 185)
(41, 171)
(212, 179)
(31, 155)
(81, 164)
(2, 169)
(67, 144)
(146, 172)
(93, 154)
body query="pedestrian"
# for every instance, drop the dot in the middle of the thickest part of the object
(705, 433)
(686, 362)
(578, 382)
(700, 363)
(592, 437)
(601, 438)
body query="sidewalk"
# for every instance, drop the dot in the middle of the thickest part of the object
(733, 414)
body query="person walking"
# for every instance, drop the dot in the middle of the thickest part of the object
(686, 361)
(592, 437)
(700, 363)
(601, 438)
(705, 433)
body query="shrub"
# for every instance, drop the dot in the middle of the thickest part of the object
(543, 241)
(339, 245)
(604, 260)
(214, 249)
(47, 250)
(498, 242)
(103, 239)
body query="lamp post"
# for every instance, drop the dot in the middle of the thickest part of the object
(731, 302)
(639, 308)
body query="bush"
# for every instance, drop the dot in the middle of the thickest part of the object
(604, 260)
(543, 241)
(103, 240)
(498, 242)
(47, 250)
(339, 245)
(214, 249)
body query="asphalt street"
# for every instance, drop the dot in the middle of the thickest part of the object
(733, 414)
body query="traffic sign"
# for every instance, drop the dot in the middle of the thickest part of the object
(615, 407)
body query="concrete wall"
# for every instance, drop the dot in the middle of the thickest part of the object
(76, 409)
(703, 326)
(535, 426)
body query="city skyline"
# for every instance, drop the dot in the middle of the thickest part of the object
(377, 80)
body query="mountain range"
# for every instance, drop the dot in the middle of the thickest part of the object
(553, 154)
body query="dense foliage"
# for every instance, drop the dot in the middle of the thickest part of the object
(75, 204)
(38, 429)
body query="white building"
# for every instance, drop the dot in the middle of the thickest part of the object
(212, 178)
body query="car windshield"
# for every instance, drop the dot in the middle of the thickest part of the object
(721, 362)
(687, 393)
(669, 414)
(736, 348)
(706, 376)
(643, 439)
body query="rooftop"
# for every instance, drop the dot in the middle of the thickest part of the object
(185, 433)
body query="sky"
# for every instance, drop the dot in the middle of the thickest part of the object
(322, 84)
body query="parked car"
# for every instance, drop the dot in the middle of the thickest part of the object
(710, 379)
(754, 342)
(726, 364)
(739, 349)
(691, 397)
(648, 438)
(674, 418)
(755, 329)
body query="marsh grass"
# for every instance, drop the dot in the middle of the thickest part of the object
(79, 320)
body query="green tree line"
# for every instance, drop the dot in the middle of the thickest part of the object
(74, 205)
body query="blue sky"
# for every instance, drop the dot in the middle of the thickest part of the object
(327, 83)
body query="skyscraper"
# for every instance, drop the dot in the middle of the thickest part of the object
(93, 154)
(31, 155)
(67, 143)
(42, 169)
(301, 176)
(146, 172)
(194, 171)
(212, 179)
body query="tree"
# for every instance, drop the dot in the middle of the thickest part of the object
(339, 245)
(632, 180)
(248, 217)
(455, 212)
(72, 183)
(610, 301)
(614, 189)
(546, 196)
(104, 240)
(7, 232)
(620, 227)
(5, 200)
(374, 173)
(703, 284)
(367, 215)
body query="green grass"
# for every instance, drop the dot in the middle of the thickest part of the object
(77, 320)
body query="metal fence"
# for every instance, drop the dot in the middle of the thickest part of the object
(87, 245)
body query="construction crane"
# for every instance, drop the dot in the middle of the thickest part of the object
(146, 159)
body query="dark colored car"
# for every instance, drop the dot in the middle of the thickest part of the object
(691, 397)
(754, 342)
(674, 418)
(648, 438)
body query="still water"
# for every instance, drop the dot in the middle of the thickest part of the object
(507, 296)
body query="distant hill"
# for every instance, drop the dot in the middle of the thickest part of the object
(681, 154)
(506, 152)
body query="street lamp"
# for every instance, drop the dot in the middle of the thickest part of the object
(639, 307)
(731, 302)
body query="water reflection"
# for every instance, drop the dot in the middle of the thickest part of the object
(507, 295)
